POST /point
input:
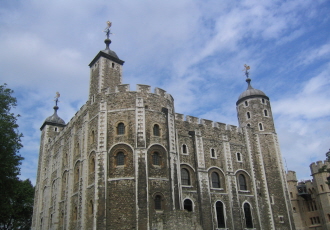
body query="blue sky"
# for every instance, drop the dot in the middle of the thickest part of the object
(195, 50)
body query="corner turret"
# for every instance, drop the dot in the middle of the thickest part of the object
(253, 108)
(105, 70)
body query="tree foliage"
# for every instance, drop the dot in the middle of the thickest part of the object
(16, 196)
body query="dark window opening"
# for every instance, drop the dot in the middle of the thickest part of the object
(220, 215)
(121, 129)
(187, 205)
(184, 148)
(185, 179)
(120, 158)
(155, 158)
(266, 113)
(156, 130)
(242, 182)
(239, 157)
(248, 216)
(215, 180)
(246, 103)
(248, 115)
(260, 126)
(158, 202)
(263, 101)
(212, 153)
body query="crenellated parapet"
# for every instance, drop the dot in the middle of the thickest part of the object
(208, 124)
(291, 176)
(315, 167)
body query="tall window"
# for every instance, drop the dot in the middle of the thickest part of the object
(92, 165)
(248, 216)
(158, 202)
(91, 208)
(184, 149)
(239, 158)
(213, 153)
(156, 130)
(248, 115)
(92, 137)
(185, 179)
(75, 213)
(220, 214)
(242, 182)
(246, 103)
(155, 158)
(215, 180)
(120, 158)
(266, 113)
(121, 128)
(76, 175)
(260, 127)
(187, 205)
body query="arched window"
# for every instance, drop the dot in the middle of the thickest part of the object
(185, 178)
(76, 175)
(158, 202)
(246, 103)
(263, 101)
(248, 216)
(260, 127)
(213, 153)
(215, 180)
(220, 214)
(188, 205)
(156, 130)
(92, 165)
(184, 149)
(242, 182)
(155, 158)
(239, 158)
(248, 115)
(121, 128)
(266, 113)
(120, 158)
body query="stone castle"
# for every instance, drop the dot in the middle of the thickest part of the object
(311, 198)
(126, 160)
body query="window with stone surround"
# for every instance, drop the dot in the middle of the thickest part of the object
(184, 149)
(239, 157)
(266, 113)
(120, 159)
(158, 202)
(188, 205)
(92, 137)
(242, 182)
(213, 154)
(248, 115)
(156, 130)
(121, 128)
(248, 215)
(156, 158)
(185, 177)
(219, 208)
(215, 180)
(261, 127)
(246, 103)
(90, 207)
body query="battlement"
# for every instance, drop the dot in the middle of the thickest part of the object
(291, 176)
(122, 88)
(207, 123)
(318, 165)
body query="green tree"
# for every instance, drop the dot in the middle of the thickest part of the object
(16, 196)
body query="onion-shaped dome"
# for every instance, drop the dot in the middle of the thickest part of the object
(251, 92)
(54, 119)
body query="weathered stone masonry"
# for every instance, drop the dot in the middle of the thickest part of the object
(126, 160)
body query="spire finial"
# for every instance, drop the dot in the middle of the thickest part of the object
(246, 69)
(56, 101)
(247, 72)
(107, 41)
